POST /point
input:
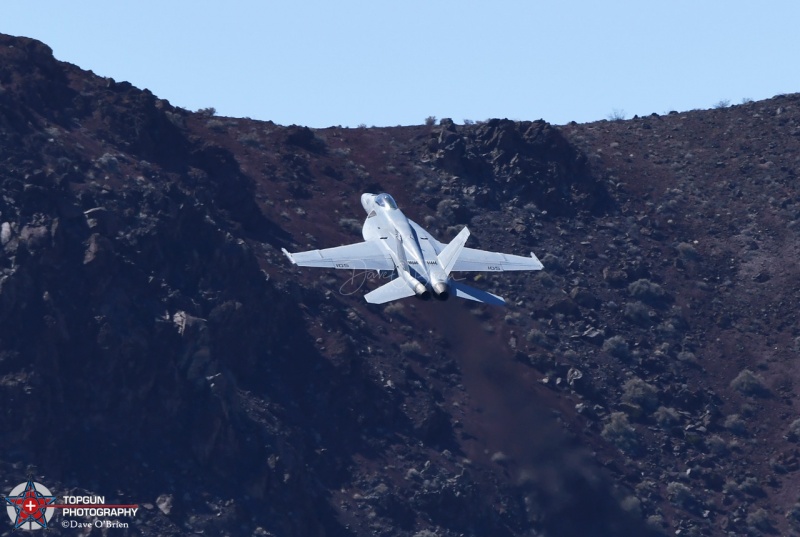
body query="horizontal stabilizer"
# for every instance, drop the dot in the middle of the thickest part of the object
(470, 293)
(387, 292)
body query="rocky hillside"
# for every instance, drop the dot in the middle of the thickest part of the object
(157, 348)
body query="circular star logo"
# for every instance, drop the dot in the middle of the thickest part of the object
(27, 506)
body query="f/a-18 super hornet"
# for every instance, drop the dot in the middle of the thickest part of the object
(422, 265)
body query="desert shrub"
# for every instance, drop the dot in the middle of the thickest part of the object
(730, 487)
(208, 112)
(553, 263)
(410, 347)
(176, 119)
(633, 505)
(666, 416)
(617, 114)
(430, 121)
(679, 494)
(793, 515)
(617, 347)
(428, 184)
(356, 319)
(395, 308)
(735, 424)
(751, 486)
(671, 207)
(646, 488)
(351, 224)
(793, 433)
(537, 337)
(620, 433)
(717, 445)
(446, 209)
(215, 125)
(500, 458)
(667, 330)
(777, 466)
(545, 280)
(687, 251)
(647, 291)
(750, 384)
(109, 162)
(249, 139)
(638, 313)
(759, 519)
(656, 522)
(722, 103)
(638, 392)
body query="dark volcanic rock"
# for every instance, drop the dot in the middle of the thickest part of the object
(156, 345)
(527, 162)
(304, 137)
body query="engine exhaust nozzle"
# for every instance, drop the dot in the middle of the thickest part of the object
(442, 290)
(419, 288)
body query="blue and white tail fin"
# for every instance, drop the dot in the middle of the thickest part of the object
(470, 293)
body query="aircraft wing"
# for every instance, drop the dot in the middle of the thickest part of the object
(369, 255)
(472, 260)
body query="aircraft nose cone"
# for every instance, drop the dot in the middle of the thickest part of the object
(365, 200)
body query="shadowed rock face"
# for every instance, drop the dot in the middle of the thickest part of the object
(156, 345)
(521, 163)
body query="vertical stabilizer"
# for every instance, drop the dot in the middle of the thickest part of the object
(449, 256)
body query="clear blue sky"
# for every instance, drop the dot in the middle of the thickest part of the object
(324, 62)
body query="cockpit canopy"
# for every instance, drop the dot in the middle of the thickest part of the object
(385, 201)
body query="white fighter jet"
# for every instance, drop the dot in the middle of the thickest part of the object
(422, 265)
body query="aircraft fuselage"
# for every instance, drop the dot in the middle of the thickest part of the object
(423, 265)
(414, 254)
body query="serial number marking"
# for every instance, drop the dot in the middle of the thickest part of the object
(493, 267)
(342, 265)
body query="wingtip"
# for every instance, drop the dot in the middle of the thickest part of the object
(288, 255)
(537, 261)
